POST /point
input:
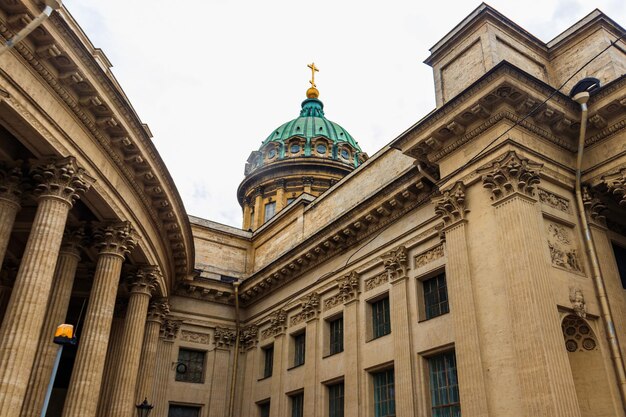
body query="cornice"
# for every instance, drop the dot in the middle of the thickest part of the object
(131, 151)
(392, 202)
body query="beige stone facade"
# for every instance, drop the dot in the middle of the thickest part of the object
(453, 260)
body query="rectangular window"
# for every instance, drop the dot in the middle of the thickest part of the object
(336, 335)
(335, 400)
(384, 394)
(264, 409)
(190, 366)
(444, 387)
(381, 322)
(436, 296)
(297, 405)
(299, 345)
(268, 361)
(183, 411)
(620, 258)
(270, 210)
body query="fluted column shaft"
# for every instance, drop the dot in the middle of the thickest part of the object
(10, 193)
(113, 353)
(218, 406)
(124, 384)
(84, 390)
(403, 359)
(145, 380)
(351, 360)
(162, 375)
(55, 315)
(8, 211)
(467, 344)
(27, 306)
(546, 381)
(311, 368)
(280, 360)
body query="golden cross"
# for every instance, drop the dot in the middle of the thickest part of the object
(314, 69)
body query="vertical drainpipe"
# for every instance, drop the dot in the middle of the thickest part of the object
(233, 379)
(605, 310)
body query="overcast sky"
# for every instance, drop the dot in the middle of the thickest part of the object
(214, 78)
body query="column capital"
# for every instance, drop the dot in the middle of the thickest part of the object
(224, 337)
(594, 206)
(258, 191)
(349, 286)
(616, 183)
(74, 239)
(11, 179)
(310, 305)
(169, 329)
(451, 205)
(308, 180)
(145, 280)
(62, 179)
(116, 238)
(396, 263)
(249, 336)
(280, 183)
(158, 310)
(278, 322)
(510, 174)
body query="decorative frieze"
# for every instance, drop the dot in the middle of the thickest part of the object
(310, 308)
(376, 281)
(577, 299)
(563, 251)
(510, 174)
(195, 337)
(278, 320)
(552, 200)
(348, 286)
(616, 183)
(396, 262)
(428, 256)
(578, 335)
(224, 337)
(451, 204)
(249, 336)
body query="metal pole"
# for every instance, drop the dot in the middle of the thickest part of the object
(51, 383)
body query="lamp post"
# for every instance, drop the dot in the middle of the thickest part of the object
(144, 409)
(51, 5)
(63, 336)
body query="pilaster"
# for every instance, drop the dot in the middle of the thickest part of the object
(248, 377)
(280, 194)
(310, 306)
(349, 289)
(169, 332)
(58, 184)
(452, 207)
(278, 321)
(157, 311)
(258, 206)
(547, 388)
(224, 339)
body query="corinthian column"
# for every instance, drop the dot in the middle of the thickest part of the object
(59, 183)
(544, 375)
(451, 206)
(69, 256)
(169, 331)
(113, 243)
(142, 286)
(157, 311)
(10, 194)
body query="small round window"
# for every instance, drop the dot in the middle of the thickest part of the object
(321, 149)
(295, 148)
(272, 153)
(345, 154)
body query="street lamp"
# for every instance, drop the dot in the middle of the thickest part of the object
(51, 5)
(143, 409)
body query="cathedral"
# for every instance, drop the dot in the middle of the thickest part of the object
(475, 266)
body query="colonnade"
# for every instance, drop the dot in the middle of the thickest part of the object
(39, 298)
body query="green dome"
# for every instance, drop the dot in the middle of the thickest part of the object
(312, 124)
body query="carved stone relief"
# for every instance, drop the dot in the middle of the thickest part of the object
(509, 174)
(577, 299)
(451, 204)
(376, 281)
(563, 251)
(396, 262)
(249, 337)
(310, 308)
(195, 337)
(428, 256)
(278, 319)
(578, 335)
(616, 183)
(552, 200)
(348, 286)
(224, 337)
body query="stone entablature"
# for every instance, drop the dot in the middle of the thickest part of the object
(72, 70)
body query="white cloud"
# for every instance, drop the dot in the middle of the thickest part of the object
(213, 78)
